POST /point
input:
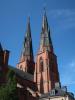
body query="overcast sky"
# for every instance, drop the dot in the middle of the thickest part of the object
(61, 19)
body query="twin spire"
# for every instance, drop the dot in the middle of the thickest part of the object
(27, 48)
(45, 40)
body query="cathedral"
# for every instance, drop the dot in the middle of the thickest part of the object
(37, 79)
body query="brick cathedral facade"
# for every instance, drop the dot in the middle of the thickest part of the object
(39, 79)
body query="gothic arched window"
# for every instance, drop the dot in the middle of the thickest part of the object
(41, 67)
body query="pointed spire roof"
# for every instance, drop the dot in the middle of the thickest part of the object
(27, 49)
(28, 31)
(46, 41)
(1, 49)
(45, 22)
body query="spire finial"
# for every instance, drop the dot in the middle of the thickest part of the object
(44, 10)
(44, 7)
(28, 19)
(45, 22)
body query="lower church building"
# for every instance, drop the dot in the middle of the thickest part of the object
(39, 79)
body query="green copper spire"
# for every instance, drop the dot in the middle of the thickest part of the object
(46, 42)
(27, 49)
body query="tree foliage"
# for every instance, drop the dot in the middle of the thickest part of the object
(9, 90)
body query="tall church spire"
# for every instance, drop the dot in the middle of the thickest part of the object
(26, 63)
(46, 42)
(46, 73)
(27, 48)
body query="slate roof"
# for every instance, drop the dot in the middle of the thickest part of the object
(23, 75)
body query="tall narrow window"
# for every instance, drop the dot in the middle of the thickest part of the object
(20, 67)
(41, 65)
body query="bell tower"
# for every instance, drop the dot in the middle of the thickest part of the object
(46, 69)
(26, 62)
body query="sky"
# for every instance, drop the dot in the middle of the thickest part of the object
(61, 19)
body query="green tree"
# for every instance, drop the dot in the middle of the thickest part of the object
(9, 91)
